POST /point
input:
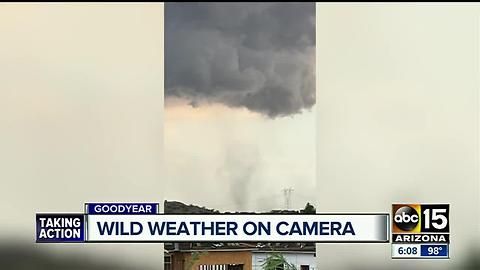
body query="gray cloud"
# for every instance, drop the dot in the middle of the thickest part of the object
(253, 55)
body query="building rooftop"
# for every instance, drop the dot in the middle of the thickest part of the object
(261, 247)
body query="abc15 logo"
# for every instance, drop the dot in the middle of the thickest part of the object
(420, 218)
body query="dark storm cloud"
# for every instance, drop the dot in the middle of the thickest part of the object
(253, 55)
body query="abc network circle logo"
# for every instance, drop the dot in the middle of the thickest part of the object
(406, 218)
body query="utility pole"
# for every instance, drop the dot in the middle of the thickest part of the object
(287, 194)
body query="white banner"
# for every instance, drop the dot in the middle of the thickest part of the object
(239, 228)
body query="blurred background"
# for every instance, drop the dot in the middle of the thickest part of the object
(81, 119)
(398, 121)
(81, 110)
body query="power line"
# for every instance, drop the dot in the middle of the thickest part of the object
(287, 193)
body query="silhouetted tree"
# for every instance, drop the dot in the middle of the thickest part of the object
(309, 209)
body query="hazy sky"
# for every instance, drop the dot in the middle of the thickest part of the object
(233, 159)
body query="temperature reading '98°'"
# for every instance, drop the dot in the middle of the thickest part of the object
(434, 250)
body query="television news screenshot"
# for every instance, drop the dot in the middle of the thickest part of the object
(239, 136)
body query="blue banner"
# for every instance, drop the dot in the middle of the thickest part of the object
(434, 251)
(60, 228)
(122, 208)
